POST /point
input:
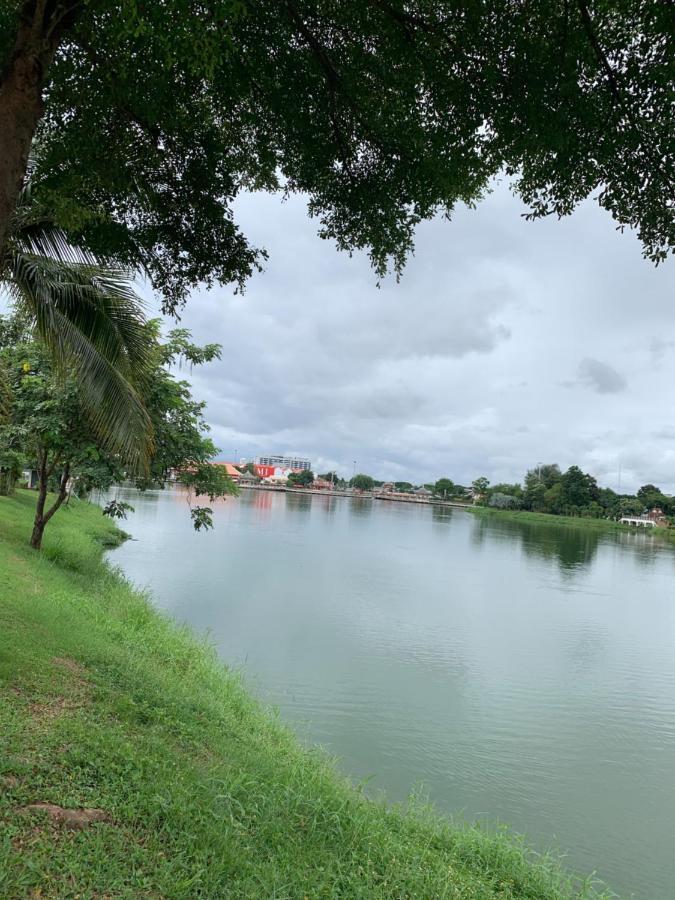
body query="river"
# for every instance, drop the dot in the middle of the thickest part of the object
(522, 673)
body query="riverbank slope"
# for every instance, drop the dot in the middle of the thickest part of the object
(185, 786)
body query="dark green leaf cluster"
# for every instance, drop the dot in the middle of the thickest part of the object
(301, 479)
(362, 482)
(382, 112)
(117, 509)
(88, 317)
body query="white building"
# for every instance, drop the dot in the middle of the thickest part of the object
(292, 463)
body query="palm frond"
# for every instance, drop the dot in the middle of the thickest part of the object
(90, 319)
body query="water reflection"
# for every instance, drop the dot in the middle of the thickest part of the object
(523, 671)
(297, 502)
(327, 503)
(441, 515)
(360, 507)
(571, 548)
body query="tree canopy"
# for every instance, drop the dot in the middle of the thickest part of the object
(362, 482)
(444, 487)
(152, 117)
(301, 479)
(46, 427)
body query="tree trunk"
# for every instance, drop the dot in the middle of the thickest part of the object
(38, 521)
(41, 26)
(42, 517)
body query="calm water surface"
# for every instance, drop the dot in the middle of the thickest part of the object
(523, 673)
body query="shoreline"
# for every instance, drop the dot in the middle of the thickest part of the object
(362, 495)
(528, 516)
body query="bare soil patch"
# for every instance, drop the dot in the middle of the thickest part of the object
(75, 819)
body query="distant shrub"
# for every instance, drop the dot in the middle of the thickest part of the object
(504, 501)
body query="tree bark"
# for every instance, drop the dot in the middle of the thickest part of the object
(42, 517)
(38, 522)
(41, 27)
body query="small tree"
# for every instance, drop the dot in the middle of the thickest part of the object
(579, 489)
(480, 486)
(504, 501)
(444, 487)
(301, 479)
(48, 426)
(362, 482)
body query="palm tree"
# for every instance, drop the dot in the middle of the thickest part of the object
(85, 311)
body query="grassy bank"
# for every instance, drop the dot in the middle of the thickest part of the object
(199, 792)
(522, 515)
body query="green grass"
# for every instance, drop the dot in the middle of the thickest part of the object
(105, 703)
(523, 515)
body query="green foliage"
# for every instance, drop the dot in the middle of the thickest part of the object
(48, 427)
(444, 487)
(158, 115)
(333, 477)
(209, 795)
(362, 482)
(47, 422)
(403, 487)
(11, 466)
(87, 315)
(117, 509)
(652, 497)
(480, 487)
(512, 490)
(499, 500)
(204, 479)
(578, 489)
(576, 493)
(537, 482)
(301, 479)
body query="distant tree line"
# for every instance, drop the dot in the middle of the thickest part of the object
(545, 488)
(571, 493)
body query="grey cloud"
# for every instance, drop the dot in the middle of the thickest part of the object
(456, 369)
(601, 377)
(658, 349)
(664, 434)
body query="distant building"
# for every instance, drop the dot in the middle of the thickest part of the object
(234, 473)
(639, 521)
(276, 479)
(423, 492)
(30, 478)
(265, 466)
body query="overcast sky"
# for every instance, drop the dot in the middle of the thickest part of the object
(506, 343)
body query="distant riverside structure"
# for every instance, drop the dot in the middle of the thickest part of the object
(268, 466)
(638, 520)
